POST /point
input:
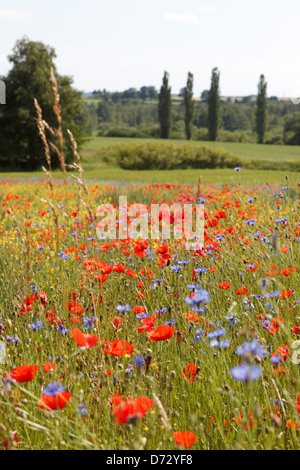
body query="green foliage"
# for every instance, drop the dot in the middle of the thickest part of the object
(292, 129)
(164, 107)
(161, 156)
(142, 132)
(188, 106)
(261, 110)
(214, 106)
(29, 78)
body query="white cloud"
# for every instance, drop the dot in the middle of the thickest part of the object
(15, 14)
(181, 17)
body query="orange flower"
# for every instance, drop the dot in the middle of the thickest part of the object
(118, 348)
(286, 271)
(139, 250)
(161, 333)
(24, 373)
(285, 294)
(127, 412)
(119, 268)
(117, 323)
(131, 410)
(49, 402)
(242, 291)
(49, 367)
(84, 341)
(148, 324)
(185, 438)
(225, 285)
(190, 370)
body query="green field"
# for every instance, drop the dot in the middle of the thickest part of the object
(96, 169)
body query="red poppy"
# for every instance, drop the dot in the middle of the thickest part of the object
(242, 291)
(117, 322)
(148, 324)
(131, 273)
(283, 351)
(286, 271)
(190, 372)
(161, 333)
(84, 341)
(139, 249)
(118, 348)
(132, 410)
(285, 294)
(144, 403)
(127, 411)
(51, 402)
(298, 402)
(185, 438)
(49, 367)
(139, 309)
(24, 373)
(119, 268)
(75, 308)
(116, 399)
(225, 285)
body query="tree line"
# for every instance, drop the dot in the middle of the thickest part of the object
(214, 106)
(134, 113)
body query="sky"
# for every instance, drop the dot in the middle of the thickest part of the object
(119, 44)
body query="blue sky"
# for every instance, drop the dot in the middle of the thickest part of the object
(117, 44)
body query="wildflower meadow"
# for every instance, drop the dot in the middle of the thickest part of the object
(139, 344)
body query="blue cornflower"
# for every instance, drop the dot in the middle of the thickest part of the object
(123, 308)
(200, 270)
(62, 330)
(216, 333)
(245, 373)
(199, 334)
(222, 344)
(139, 361)
(13, 339)
(169, 323)
(233, 320)
(176, 268)
(275, 359)
(253, 348)
(193, 286)
(238, 168)
(53, 389)
(160, 310)
(200, 297)
(89, 322)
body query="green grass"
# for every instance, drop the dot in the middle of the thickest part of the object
(261, 152)
(96, 169)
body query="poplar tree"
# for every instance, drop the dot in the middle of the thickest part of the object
(164, 107)
(188, 106)
(214, 105)
(261, 110)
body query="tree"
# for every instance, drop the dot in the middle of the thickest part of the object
(261, 110)
(292, 129)
(29, 78)
(214, 105)
(164, 107)
(188, 106)
(152, 93)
